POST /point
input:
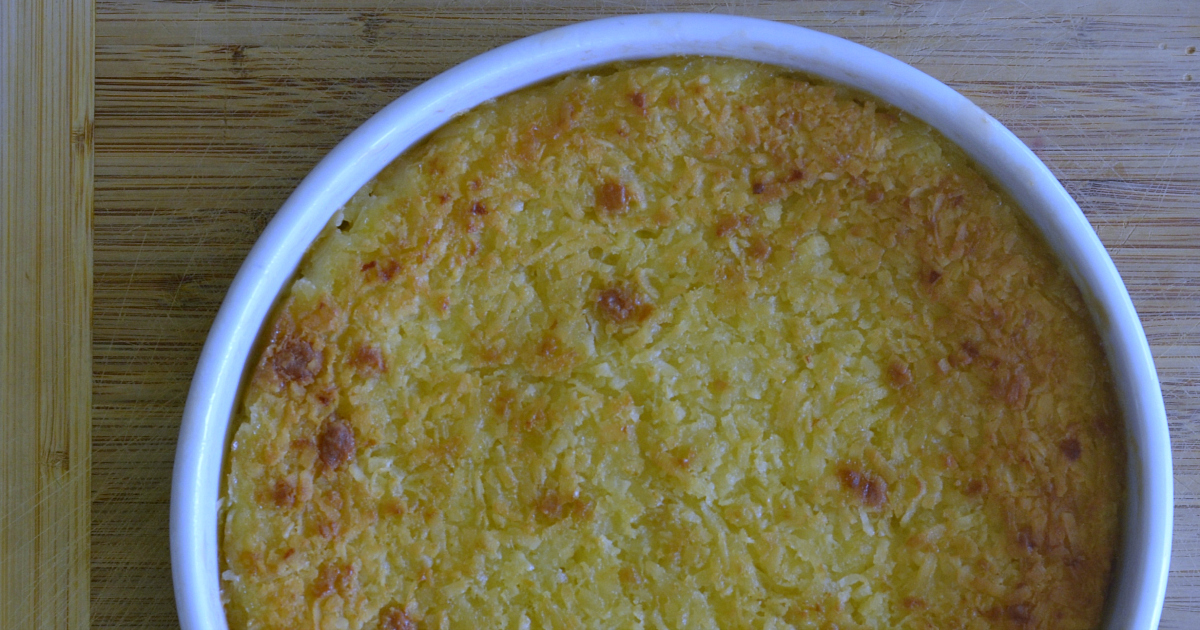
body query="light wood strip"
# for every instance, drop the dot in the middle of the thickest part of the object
(45, 312)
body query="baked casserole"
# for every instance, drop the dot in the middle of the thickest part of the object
(687, 342)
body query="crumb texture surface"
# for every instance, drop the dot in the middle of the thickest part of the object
(686, 343)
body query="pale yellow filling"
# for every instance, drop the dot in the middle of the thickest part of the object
(686, 343)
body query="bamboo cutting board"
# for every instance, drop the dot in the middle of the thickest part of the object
(45, 297)
(209, 113)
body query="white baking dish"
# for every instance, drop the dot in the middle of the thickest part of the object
(1137, 598)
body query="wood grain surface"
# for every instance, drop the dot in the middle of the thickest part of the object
(209, 113)
(45, 311)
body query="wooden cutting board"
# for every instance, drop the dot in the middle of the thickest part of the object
(207, 114)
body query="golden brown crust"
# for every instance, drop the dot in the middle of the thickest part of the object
(335, 443)
(863, 485)
(684, 343)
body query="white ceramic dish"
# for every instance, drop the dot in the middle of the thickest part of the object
(1136, 602)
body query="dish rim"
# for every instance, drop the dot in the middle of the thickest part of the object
(1139, 578)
